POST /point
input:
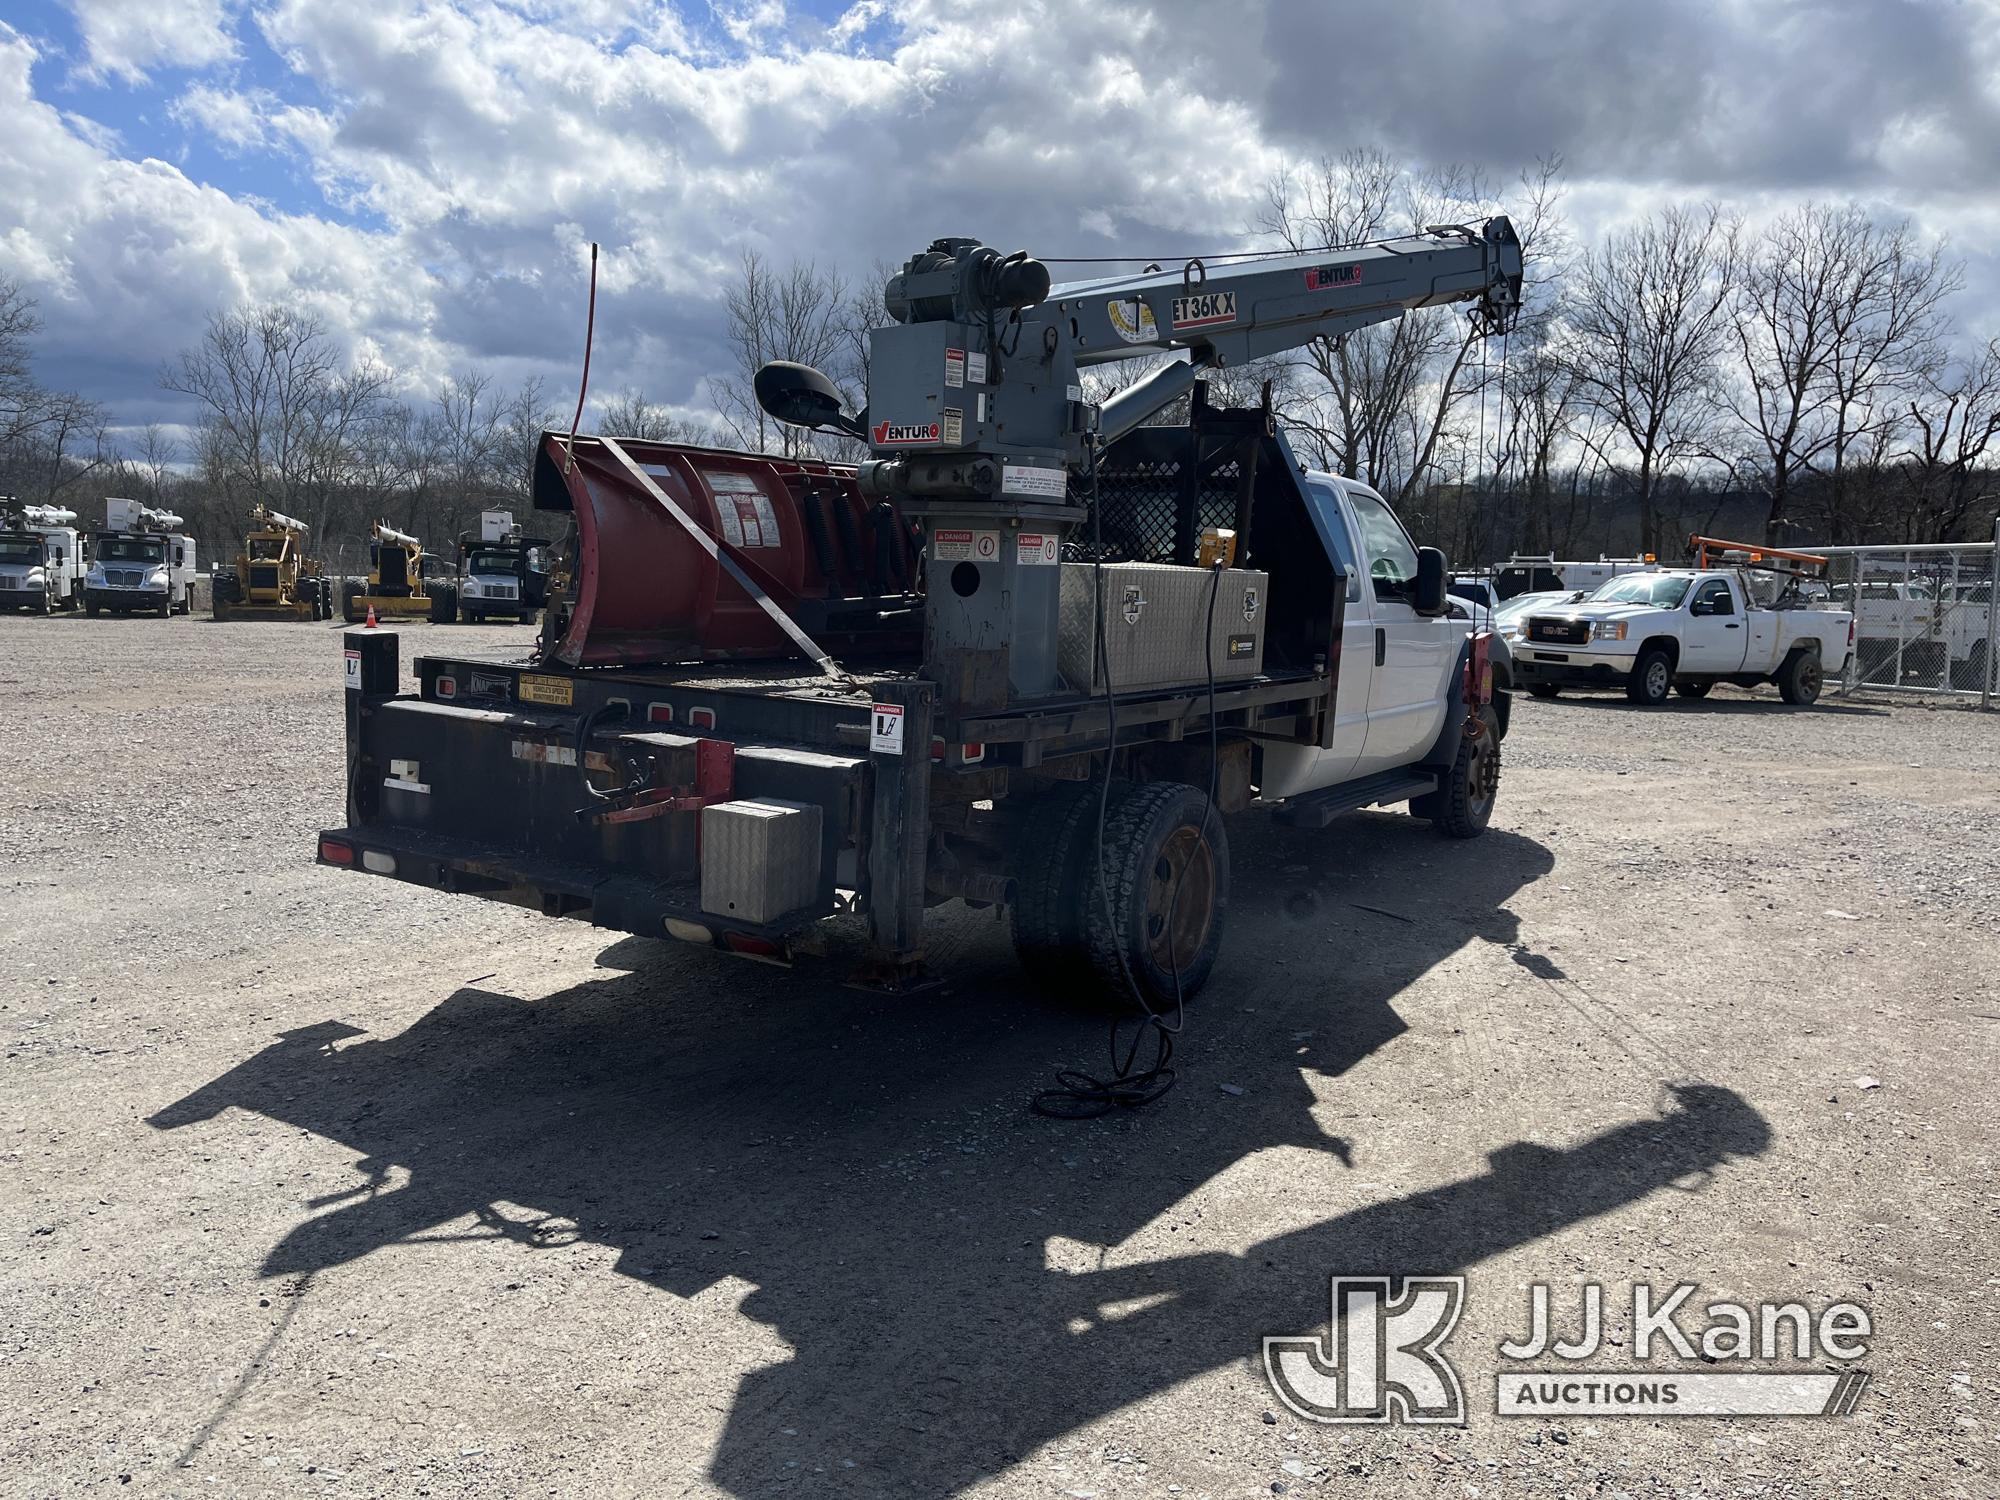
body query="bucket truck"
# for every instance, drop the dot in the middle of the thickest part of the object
(503, 573)
(41, 557)
(140, 561)
(1031, 652)
(273, 579)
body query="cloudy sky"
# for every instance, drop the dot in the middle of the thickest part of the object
(428, 175)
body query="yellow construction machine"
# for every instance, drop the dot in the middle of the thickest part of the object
(396, 586)
(272, 578)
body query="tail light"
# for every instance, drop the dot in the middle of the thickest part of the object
(447, 687)
(336, 853)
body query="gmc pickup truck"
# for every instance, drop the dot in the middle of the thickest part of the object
(1684, 630)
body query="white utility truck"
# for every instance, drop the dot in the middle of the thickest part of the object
(41, 557)
(503, 573)
(1685, 629)
(141, 561)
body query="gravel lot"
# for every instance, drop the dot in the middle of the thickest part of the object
(317, 1184)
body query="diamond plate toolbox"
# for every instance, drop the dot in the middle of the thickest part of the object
(1155, 616)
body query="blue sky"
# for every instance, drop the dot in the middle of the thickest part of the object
(424, 174)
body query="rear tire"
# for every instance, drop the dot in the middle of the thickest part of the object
(1800, 679)
(1693, 689)
(90, 608)
(1049, 854)
(350, 594)
(1652, 677)
(1164, 858)
(1543, 690)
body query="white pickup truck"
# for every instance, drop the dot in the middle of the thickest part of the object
(1685, 630)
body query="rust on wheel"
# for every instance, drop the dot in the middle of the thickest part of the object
(1180, 900)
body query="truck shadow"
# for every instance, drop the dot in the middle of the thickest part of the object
(943, 1261)
(1618, 703)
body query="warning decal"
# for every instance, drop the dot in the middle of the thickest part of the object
(954, 425)
(1031, 479)
(885, 729)
(1036, 549)
(949, 544)
(353, 671)
(954, 367)
(747, 520)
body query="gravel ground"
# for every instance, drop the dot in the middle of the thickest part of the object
(318, 1184)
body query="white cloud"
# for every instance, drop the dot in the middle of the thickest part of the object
(129, 38)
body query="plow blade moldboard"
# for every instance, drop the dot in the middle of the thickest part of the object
(833, 569)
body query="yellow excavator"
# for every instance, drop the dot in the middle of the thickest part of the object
(272, 579)
(397, 586)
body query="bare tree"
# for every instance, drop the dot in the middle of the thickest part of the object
(630, 414)
(1953, 423)
(284, 415)
(1647, 325)
(524, 417)
(795, 314)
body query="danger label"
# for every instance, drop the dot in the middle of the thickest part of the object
(949, 545)
(885, 729)
(1204, 310)
(902, 434)
(353, 671)
(1037, 549)
(954, 367)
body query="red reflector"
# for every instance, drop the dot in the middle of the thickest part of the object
(701, 718)
(447, 687)
(937, 749)
(974, 752)
(754, 947)
(335, 853)
(660, 713)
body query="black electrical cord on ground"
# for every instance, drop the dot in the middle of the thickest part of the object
(1078, 1095)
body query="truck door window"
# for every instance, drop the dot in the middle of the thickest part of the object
(1713, 598)
(1343, 543)
(1392, 556)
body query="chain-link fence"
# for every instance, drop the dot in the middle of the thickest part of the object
(1925, 618)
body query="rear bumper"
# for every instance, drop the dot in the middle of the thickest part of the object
(623, 903)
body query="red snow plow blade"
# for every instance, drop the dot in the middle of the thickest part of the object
(683, 554)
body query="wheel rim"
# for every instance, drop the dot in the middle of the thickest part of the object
(1809, 678)
(1180, 900)
(1657, 679)
(1482, 776)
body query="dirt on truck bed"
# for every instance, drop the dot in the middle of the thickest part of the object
(322, 1184)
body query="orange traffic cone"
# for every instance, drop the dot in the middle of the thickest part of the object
(371, 618)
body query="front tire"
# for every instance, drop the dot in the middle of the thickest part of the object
(1800, 679)
(1652, 677)
(1164, 859)
(1463, 807)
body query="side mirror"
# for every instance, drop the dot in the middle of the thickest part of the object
(800, 396)
(1430, 594)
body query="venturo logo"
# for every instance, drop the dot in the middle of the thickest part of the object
(892, 434)
(1379, 1361)
(1321, 278)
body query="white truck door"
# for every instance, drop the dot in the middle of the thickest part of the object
(1411, 655)
(1714, 637)
(1292, 769)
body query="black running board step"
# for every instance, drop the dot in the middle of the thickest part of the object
(1317, 809)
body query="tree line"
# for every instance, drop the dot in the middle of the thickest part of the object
(1797, 381)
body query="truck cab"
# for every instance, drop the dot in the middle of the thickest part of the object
(503, 573)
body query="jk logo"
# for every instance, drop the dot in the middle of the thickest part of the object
(1379, 1361)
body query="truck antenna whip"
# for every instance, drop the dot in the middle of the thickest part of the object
(583, 386)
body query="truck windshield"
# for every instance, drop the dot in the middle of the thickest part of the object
(493, 562)
(131, 549)
(267, 548)
(20, 550)
(1662, 591)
